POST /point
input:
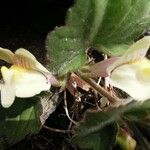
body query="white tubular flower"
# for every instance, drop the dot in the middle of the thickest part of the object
(131, 72)
(25, 78)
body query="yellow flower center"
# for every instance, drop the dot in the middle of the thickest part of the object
(17, 68)
(143, 71)
(19, 71)
(144, 75)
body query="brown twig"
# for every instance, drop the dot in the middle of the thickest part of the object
(98, 88)
(66, 109)
(56, 130)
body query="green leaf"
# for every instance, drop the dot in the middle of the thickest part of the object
(110, 24)
(65, 50)
(107, 25)
(122, 23)
(138, 110)
(21, 119)
(94, 133)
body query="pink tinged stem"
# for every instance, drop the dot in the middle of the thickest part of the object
(100, 69)
(51, 79)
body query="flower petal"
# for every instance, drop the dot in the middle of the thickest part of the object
(6, 74)
(28, 82)
(7, 89)
(28, 58)
(143, 73)
(137, 51)
(7, 96)
(29, 61)
(6, 55)
(125, 78)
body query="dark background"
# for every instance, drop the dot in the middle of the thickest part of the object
(25, 23)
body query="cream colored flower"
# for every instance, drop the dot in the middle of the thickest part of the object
(25, 78)
(131, 72)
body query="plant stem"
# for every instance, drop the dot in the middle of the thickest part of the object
(98, 88)
(56, 130)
